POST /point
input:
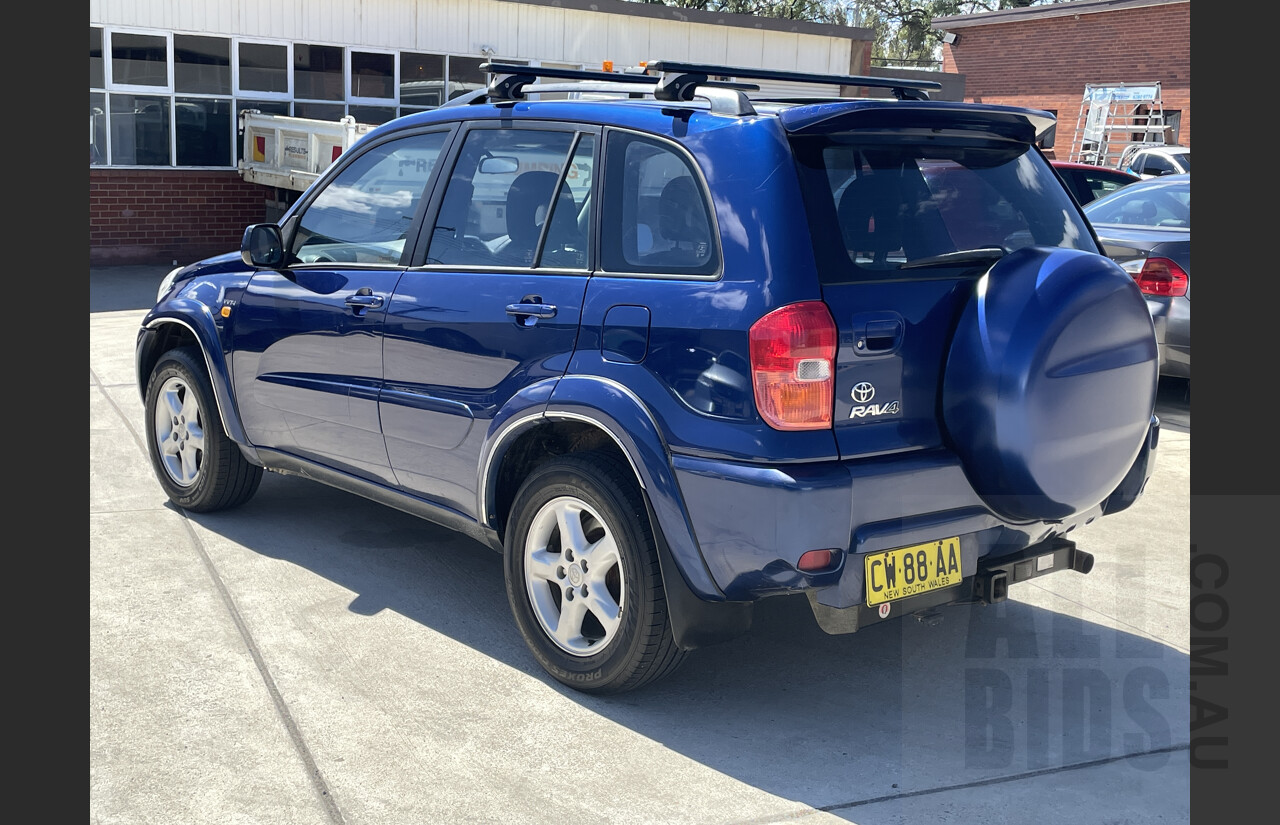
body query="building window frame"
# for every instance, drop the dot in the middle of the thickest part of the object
(349, 79)
(259, 94)
(109, 36)
(102, 152)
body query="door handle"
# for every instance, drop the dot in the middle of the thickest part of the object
(530, 309)
(363, 299)
(877, 336)
(536, 310)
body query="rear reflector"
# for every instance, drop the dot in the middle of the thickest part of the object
(815, 560)
(793, 352)
(1161, 276)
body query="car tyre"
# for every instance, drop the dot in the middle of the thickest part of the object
(583, 579)
(199, 467)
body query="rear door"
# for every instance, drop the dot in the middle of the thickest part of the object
(906, 220)
(494, 305)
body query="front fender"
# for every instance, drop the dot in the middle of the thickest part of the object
(196, 315)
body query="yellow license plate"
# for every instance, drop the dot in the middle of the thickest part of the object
(910, 571)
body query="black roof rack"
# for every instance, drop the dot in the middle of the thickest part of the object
(676, 81)
(902, 88)
(510, 81)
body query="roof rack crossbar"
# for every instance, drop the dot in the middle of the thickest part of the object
(902, 88)
(623, 85)
(567, 74)
(511, 81)
(521, 72)
(523, 75)
(619, 87)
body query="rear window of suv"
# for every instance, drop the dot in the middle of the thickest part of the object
(877, 204)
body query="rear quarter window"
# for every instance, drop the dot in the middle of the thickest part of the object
(656, 218)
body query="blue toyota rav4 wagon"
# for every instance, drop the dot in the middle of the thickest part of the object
(671, 349)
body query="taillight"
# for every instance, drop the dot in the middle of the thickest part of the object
(1159, 276)
(793, 351)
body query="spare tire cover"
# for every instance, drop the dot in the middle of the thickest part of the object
(1050, 382)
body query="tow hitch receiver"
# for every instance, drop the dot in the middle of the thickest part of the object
(991, 585)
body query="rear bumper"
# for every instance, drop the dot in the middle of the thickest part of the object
(753, 523)
(1172, 319)
(989, 585)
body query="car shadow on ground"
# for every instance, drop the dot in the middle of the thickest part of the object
(833, 722)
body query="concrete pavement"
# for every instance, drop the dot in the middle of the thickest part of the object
(312, 657)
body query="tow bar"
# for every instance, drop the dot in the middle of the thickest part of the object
(991, 585)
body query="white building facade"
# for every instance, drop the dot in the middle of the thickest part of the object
(168, 79)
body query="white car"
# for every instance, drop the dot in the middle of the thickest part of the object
(1154, 161)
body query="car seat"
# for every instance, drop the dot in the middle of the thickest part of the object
(684, 235)
(1138, 213)
(528, 200)
(870, 219)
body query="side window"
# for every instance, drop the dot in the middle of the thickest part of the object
(1151, 208)
(655, 216)
(364, 214)
(1157, 165)
(499, 197)
(569, 230)
(1105, 186)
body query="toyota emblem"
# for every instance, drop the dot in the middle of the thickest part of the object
(863, 392)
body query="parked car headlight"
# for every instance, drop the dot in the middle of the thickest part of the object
(166, 283)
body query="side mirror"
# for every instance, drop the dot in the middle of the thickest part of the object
(262, 246)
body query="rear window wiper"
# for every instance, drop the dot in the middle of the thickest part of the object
(985, 255)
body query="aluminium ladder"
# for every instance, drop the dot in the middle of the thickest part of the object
(1114, 116)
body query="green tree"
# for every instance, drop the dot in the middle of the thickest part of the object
(903, 27)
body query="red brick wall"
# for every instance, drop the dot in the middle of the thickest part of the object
(1045, 63)
(156, 216)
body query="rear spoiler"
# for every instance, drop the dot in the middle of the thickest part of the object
(1029, 125)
